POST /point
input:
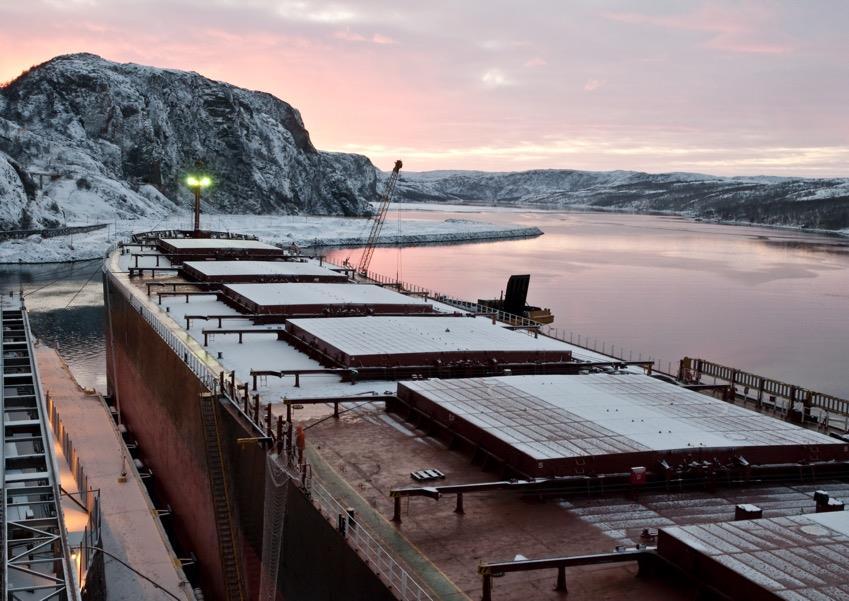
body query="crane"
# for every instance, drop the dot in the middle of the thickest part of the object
(377, 225)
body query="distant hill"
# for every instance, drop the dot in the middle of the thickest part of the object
(800, 202)
(115, 140)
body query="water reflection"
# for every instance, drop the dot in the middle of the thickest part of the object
(764, 300)
(767, 301)
(65, 304)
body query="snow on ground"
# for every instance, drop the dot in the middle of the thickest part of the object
(460, 208)
(283, 230)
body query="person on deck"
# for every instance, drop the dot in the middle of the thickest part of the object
(300, 443)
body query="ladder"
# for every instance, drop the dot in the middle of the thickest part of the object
(227, 546)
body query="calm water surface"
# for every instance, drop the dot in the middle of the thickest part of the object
(762, 300)
(65, 302)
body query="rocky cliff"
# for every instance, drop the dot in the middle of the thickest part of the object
(92, 139)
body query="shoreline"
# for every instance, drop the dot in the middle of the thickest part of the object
(842, 234)
(433, 239)
(488, 234)
(446, 238)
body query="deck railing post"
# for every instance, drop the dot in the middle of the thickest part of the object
(486, 593)
(396, 511)
(561, 579)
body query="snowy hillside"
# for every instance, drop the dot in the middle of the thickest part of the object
(814, 203)
(114, 141)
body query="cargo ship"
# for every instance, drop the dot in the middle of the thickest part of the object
(318, 435)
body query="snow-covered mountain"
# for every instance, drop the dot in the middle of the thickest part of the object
(115, 140)
(84, 140)
(814, 203)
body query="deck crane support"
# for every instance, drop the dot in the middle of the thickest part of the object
(377, 224)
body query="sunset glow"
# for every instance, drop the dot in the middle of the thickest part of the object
(719, 87)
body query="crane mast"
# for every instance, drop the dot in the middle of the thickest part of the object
(377, 225)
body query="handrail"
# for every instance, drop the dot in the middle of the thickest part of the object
(819, 404)
(209, 377)
(358, 537)
(404, 585)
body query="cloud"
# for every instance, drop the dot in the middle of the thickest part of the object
(746, 29)
(463, 89)
(306, 11)
(608, 154)
(536, 61)
(503, 44)
(732, 43)
(350, 36)
(593, 84)
(495, 78)
(382, 39)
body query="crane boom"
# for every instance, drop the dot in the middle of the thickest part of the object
(377, 225)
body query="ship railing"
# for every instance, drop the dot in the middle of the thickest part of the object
(206, 374)
(343, 518)
(827, 410)
(380, 560)
(534, 327)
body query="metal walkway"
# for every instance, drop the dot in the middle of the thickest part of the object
(35, 554)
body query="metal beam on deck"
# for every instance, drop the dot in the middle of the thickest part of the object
(489, 570)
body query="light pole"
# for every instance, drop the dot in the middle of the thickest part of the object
(198, 183)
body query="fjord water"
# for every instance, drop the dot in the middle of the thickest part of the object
(769, 301)
(65, 303)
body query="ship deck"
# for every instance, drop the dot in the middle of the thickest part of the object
(365, 457)
(368, 452)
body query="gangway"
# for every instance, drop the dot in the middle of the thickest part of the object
(33, 540)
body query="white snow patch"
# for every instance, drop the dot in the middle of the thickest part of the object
(281, 230)
(281, 294)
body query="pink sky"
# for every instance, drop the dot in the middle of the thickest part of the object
(726, 87)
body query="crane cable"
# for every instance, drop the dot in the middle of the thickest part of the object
(62, 271)
(88, 279)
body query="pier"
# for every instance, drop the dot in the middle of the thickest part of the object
(36, 553)
(131, 530)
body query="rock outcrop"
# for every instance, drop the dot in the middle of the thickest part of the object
(116, 140)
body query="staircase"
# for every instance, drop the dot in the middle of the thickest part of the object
(227, 547)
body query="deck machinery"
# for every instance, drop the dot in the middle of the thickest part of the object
(514, 301)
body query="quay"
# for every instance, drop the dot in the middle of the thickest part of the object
(132, 530)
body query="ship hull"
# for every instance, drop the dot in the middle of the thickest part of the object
(159, 402)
